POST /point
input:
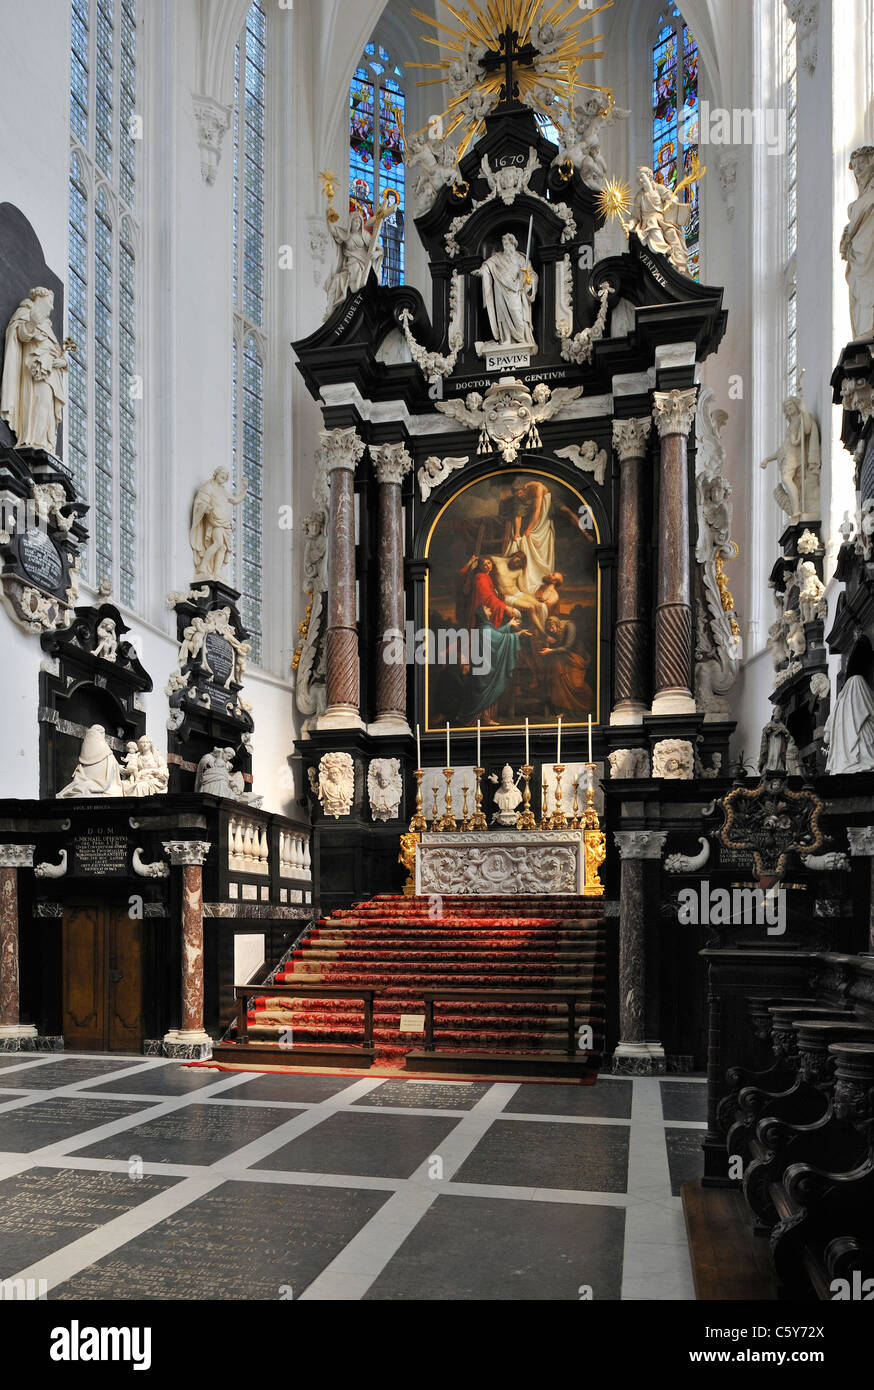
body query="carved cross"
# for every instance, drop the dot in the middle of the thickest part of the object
(510, 56)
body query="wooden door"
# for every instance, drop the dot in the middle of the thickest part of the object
(103, 991)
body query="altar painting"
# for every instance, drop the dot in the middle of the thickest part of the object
(513, 605)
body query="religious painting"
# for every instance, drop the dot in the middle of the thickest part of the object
(513, 605)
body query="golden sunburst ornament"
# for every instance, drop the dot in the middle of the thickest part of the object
(614, 200)
(505, 51)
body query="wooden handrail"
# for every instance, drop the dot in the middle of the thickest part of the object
(504, 996)
(244, 992)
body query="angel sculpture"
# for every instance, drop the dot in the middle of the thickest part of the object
(435, 165)
(580, 138)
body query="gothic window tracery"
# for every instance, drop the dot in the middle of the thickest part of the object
(377, 116)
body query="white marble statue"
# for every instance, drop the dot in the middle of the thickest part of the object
(779, 751)
(384, 788)
(630, 763)
(674, 760)
(796, 639)
(107, 640)
(857, 244)
(435, 164)
(436, 471)
(35, 367)
(588, 458)
(144, 771)
(509, 180)
(799, 459)
(212, 525)
(580, 138)
(359, 252)
(509, 292)
(315, 555)
(659, 218)
(334, 784)
(849, 733)
(811, 595)
(508, 798)
(97, 772)
(216, 776)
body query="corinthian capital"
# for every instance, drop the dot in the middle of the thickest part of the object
(640, 844)
(391, 462)
(630, 438)
(17, 856)
(181, 852)
(674, 411)
(341, 449)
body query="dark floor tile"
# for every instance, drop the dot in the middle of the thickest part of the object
(477, 1248)
(66, 1071)
(306, 1090)
(427, 1095)
(367, 1145)
(60, 1117)
(684, 1100)
(610, 1100)
(46, 1208)
(161, 1081)
(685, 1156)
(242, 1241)
(195, 1134)
(577, 1158)
(17, 1059)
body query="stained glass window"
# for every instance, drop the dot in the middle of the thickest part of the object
(250, 65)
(676, 119)
(377, 176)
(101, 419)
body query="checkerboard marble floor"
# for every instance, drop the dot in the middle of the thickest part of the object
(127, 1178)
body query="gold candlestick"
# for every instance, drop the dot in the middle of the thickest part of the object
(418, 823)
(559, 819)
(525, 820)
(448, 821)
(576, 822)
(435, 813)
(594, 840)
(545, 820)
(478, 820)
(465, 818)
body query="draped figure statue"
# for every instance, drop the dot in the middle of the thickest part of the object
(35, 367)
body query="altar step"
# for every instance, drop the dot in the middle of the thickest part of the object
(399, 948)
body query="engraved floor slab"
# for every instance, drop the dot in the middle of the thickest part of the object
(609, 1100)
(685, 1156)
(60, 1117)
(370, 1145)
(196, 1134)
(305, 1090)
(683, 1100)
(242, 1241)
(160, 1081)
(66, 1071)
(573, 1158)
(44, 1209)
(426, 1095)
(480, 1249)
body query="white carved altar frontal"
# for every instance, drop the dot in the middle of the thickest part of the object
(515, 862)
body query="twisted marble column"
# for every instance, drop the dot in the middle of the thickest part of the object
(189, 855)
(630, 438)
(341, 449)
(391, 463)
(674, 415)
(634, 1056)
(12, 858)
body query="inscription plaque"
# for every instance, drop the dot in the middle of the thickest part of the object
(220, 659)
(100, 854)
(40, 560)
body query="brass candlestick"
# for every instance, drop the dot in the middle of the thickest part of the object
(525, 820)
(545, 822)
(559, 819)
(465, 818)
(448, 821)
(435, 813)
(576, 823)
(594, 840)
(418, 824)
(478, 820)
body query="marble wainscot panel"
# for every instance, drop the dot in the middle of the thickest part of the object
(515, 862)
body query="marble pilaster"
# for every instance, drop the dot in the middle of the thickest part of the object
(634, 1055)
(190, 1039)
(12, 1032)
(391, 463)
(861, 840)
(630, 438)
(342, 450)
(674, 415)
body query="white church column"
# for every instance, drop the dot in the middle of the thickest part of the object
(674, 414)
(391, 462)
(342, 450)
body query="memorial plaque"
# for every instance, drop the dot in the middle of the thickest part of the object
(100, 854)
(40, 560)
(220, 658)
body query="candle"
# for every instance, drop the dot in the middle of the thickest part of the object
(558, 754)
(590, 738)
(478, 755)
(448, 763)
(418, 748)
(527, 753)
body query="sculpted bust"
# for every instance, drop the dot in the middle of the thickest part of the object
(212, 525)
(35, 367)
(507, 798)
